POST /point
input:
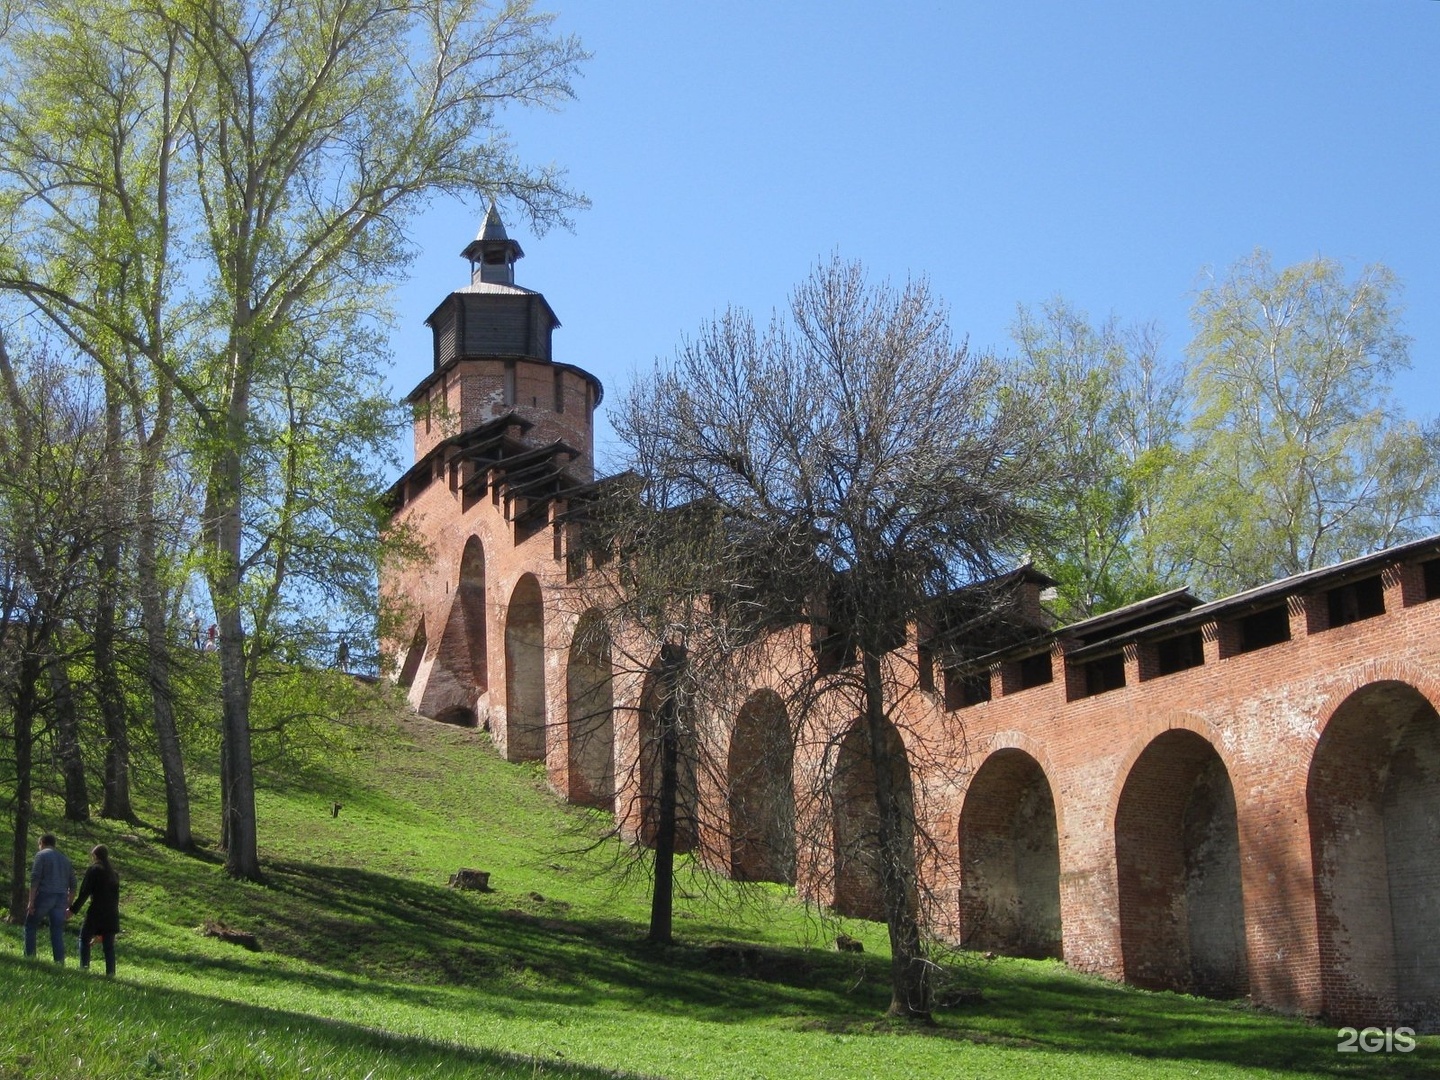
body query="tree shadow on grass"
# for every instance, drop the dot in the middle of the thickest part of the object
(413, 943)
(178, 1010)
(1047, 1006)
(386, 927)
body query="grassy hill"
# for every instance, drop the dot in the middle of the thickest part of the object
(371, 967)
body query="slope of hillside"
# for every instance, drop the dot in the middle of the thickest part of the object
(370, 966)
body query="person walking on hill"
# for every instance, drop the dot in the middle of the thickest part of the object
(52, 887)
(100, 886)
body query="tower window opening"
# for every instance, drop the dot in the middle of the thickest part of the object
(509, 382)
(925, 666)
(964, 689)
(1264, 628)
(1104, 675)
(1180, 653)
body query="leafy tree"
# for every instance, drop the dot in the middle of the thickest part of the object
(843, 470)
(223, 206)
(1300, 454)
(88, 198)
(1112, 415)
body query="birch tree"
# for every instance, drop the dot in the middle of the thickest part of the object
(1300, 453)
(1114, 418)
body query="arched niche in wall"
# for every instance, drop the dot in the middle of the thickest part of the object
(1010, 859)
(761, 792)
(590, 715)
(655, 709)
(856, 832)
(1373, 795)
(1177, 852)
(470, 594)
(458, 676)
(525, 672)
(413, 655)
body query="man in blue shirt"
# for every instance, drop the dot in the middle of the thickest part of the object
(52, 888)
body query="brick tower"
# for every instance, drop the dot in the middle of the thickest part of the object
(504, 443)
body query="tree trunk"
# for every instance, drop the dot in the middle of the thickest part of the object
(662, 896)
(25, 707)
(224, 793)
(237, 776)
(67, 742)
(910, 984)
(108, 691)
(242, 859)
(111, 699)
(157, 640)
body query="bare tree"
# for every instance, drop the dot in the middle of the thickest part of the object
(802, 496)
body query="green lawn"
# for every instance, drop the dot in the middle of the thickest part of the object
(370, 967)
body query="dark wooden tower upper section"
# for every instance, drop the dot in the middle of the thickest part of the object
(492, 316)
(492, 356)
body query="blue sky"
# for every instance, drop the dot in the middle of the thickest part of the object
(1009, 151)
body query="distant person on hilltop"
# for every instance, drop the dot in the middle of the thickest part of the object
(101, 886)
(52, 886)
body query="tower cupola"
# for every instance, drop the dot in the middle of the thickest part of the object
(492, 253)
(492, 358)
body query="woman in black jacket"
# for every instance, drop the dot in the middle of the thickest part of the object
(101, 886)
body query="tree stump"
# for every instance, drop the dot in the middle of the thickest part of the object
(465, 878)
(954, 997)
(216, 929)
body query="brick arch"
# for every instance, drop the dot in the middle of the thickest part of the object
(1010, 858)
(761, 802)
(1373, 799)
(1177, 863)
(1376, 671)
(1019, 740)
(1152, 731)
(458, 675)
(590, 714)
(525, 672)
(858, 888)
